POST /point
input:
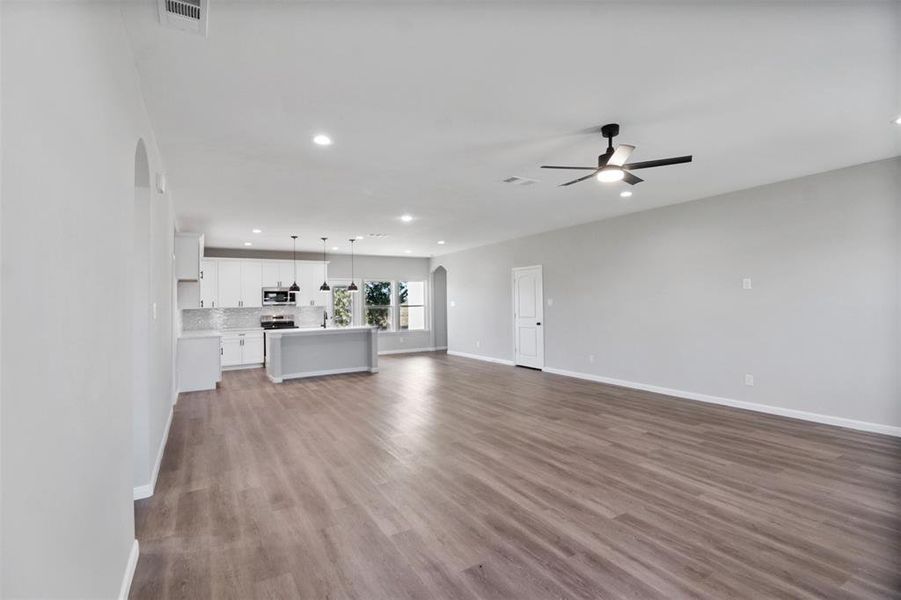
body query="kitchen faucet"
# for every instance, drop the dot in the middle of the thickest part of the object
(324, 318)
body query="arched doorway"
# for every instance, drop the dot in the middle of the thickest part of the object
(439, 307)
(139, 271)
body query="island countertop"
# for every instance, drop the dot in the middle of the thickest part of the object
(317, 330)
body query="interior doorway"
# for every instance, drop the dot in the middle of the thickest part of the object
(528, 317)
(439, 310)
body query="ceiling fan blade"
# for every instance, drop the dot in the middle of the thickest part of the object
(660, 162)
(621, 155)
(577, 168)
(631, 179)
(589, 176)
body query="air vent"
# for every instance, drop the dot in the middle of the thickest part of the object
(187, 15)
(520, 180)
(378, 235)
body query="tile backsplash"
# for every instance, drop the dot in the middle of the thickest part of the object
(193, 319)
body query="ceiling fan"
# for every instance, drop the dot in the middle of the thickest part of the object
(612, 165)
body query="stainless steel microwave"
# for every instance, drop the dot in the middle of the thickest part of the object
(279, 297)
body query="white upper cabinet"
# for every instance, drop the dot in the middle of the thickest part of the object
(209, 283)
(251, 284)
(278, 273)
(230, 295)
(270, 274)
(286, 273)
(188, 252)
(240, 284)
(309, 278)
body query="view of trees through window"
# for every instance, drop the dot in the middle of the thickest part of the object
(378, 303)
(411, 298)
(343, 306)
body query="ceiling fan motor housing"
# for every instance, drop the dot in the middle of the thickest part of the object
(610, 130)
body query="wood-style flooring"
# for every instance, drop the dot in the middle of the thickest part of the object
(445, 477)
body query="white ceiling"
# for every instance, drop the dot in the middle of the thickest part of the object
(431, 105)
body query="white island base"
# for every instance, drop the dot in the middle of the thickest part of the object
(295, 353)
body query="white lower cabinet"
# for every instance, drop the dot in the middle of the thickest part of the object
(239, 349)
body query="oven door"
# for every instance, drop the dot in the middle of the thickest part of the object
(276, 297)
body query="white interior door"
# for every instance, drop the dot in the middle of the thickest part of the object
(528, 317)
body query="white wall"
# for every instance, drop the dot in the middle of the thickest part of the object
(656, 297)
(394, 268)
(72, 114)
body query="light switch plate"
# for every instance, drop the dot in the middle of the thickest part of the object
(746, 283)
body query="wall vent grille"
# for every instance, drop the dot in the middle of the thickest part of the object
(186, 15)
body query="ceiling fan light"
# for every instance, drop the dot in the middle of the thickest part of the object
(609, 175)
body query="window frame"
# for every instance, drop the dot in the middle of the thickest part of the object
(354, 305)
(391, 306)
(394, 307)
(423, 306)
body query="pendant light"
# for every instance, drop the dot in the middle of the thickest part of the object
(294, 287)
(324, 287)
(353, 284)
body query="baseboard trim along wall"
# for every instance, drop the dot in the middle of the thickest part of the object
(146, 491)
(407, 350)
(754, 406)
(491, 359)
(130, 567)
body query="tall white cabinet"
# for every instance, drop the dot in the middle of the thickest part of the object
(209, 283)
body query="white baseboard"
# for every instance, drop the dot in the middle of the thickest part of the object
(440, 347)
(754, 406)
(303, 374)
(239, 367)
(146, 491)
(406, 350)
(130, 567)
(490, 359)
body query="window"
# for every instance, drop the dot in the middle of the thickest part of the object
(342, 306)
(379, 306)
(411, 298)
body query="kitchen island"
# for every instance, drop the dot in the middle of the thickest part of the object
(295, 353)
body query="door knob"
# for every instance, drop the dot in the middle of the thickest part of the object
(539, 323)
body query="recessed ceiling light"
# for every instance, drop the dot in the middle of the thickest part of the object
(441, 242)
(359, 237)
(898, 121)
(625, 194)
(407, 251)
(322, 140)
(248, 243)
(257, 230)
(406, 218)
(334, 247)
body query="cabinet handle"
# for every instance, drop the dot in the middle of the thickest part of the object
(213, 304)
(201, 302)
(220, 351)
(201, 274)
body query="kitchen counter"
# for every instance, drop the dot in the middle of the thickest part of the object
(199, 333)
(314, 351)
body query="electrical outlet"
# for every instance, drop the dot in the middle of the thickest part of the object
(401, 340)
(550, 301)
(154, 311)
(749, 379)
(591, 358)
(478, 344)
(746, 283)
